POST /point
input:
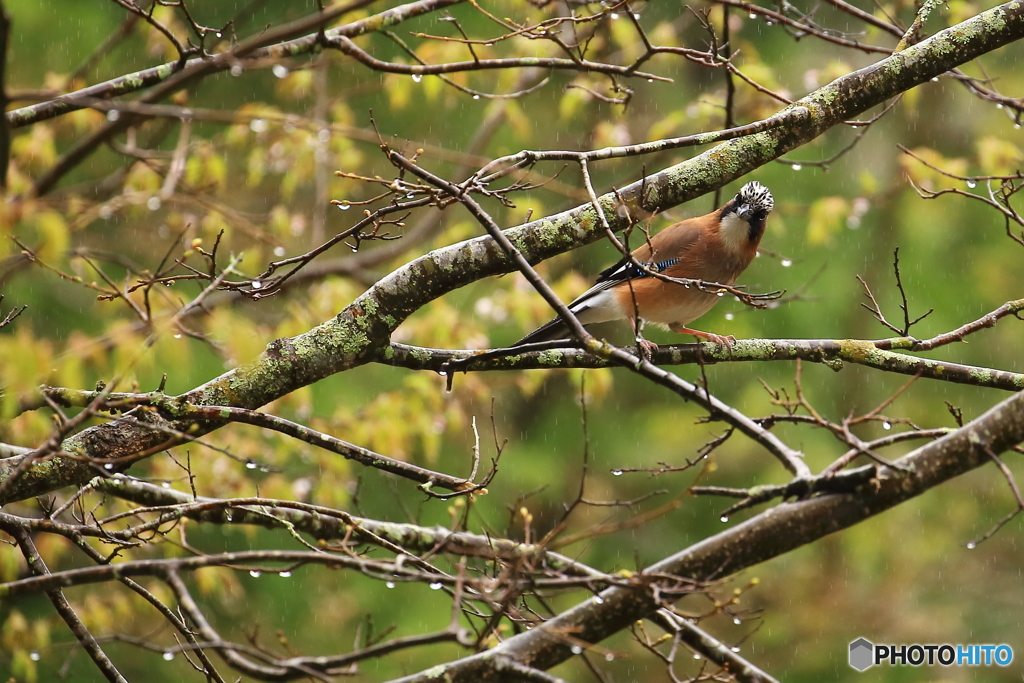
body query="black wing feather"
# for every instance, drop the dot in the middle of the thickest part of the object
(622, 271)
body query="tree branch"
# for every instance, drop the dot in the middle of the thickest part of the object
(354, 336)
(769, 534)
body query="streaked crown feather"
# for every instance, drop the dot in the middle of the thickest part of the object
(757, 196)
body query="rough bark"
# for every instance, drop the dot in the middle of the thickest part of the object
(359, 331)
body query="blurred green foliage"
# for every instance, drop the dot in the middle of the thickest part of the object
(902, 577)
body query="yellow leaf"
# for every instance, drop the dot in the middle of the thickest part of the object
(835, 69)
(295, 86)
(572, 101)
(53, 234)
(997, 156)
(623, 33)
(868, 182)
(341, 114)
(34, 150)
(399, 90)
(958, 11)
(522, 124)
(611, 134)
(928, 178)
(825, 218)
(666, 126)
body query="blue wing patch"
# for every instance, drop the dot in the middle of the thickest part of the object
(627, 270)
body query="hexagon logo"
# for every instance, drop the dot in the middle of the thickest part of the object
(861, 654)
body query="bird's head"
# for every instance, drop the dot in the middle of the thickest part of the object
(753, 202)
(745, 214)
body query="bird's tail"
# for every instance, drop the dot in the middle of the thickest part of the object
(556, 329)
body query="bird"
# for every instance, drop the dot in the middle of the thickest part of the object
(716, 248)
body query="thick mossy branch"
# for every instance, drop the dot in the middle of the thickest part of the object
(364, 327)
(772, 533)
(829, 352)
(147, 78)
(333, 525)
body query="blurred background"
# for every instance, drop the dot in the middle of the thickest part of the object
(262, 152)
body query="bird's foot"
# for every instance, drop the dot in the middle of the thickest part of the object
(646, 347)
(725, 341)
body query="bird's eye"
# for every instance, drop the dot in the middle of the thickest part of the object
(760, 215)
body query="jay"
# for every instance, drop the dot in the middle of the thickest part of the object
(715, 248)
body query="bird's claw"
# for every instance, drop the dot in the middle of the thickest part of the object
(725, 341)
(646, 347)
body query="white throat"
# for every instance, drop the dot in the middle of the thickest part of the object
(734, 231)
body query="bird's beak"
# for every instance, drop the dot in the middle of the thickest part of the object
(745, 212)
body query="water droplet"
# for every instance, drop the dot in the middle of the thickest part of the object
(1016, 126)
(279, 251)
(344, 206)
(650, 80)
(417, 78)
(256, 284)
(999, 106)
(106, 212)
(737, 621)
(254, 574)
(723, 519)
(609, 657)
(390, 584)
(720, 293)
(887, 425)
(696, 656)
(935, 80)
(237, 70)
(113, 115)
(166, 484)
(153, 203)
(436, 586)
(168, 656)
(598, 599)
(616, 473)
(227, 515)
(798, 167)
(178, 336)
(972, 545)
(109, 466)
(768, 23)
(34, 656)
(753, 16)
(786, 263)
(636, 15)
(972, 184)
(734, 649)
(257, 125)
(613, 15)
(576, 649)
(219, 34)
(285, 575)
(729, 316)
(280, 70)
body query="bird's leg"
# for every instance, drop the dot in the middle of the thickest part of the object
(647, 348)
(725, 341)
